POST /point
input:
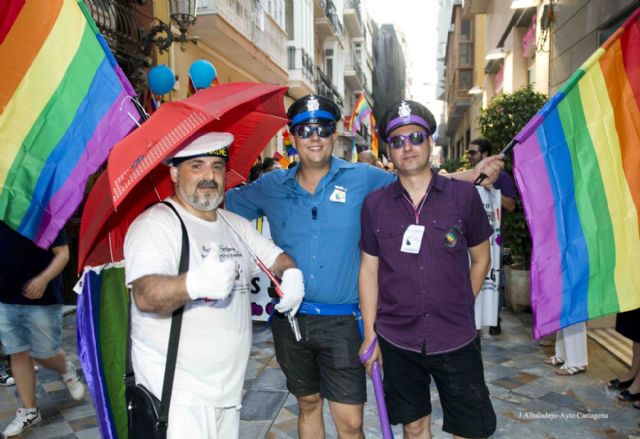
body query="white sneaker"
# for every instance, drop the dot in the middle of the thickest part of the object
(73, 383)
(6, 380)
(24, 419)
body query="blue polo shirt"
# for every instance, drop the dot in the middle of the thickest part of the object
(319, 231)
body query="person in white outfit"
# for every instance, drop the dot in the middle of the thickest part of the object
(571, 350)
(215, 339)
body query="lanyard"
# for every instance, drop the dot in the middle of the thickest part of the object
(417, 211)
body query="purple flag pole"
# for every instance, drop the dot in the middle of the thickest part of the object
(376, 377)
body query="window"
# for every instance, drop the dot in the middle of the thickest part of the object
(465, 79)
(465, 30)
(466, 54)
(328, 63)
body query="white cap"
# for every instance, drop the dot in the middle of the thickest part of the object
(202, 145)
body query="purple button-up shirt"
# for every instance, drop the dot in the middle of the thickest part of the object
(425, 300)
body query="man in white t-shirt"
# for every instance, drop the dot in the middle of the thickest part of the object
(215, 339)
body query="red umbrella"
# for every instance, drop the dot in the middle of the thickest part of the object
(135, 177)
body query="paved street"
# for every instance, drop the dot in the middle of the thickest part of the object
(530, 400)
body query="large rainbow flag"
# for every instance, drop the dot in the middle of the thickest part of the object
(578, 170)
(64, 103)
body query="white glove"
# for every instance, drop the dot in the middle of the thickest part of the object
(212, 279)
(292, 287)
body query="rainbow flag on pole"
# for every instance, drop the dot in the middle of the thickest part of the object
(64, 103)
(578, 170)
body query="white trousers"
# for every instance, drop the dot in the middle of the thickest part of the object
(571, 345)
(203, 422)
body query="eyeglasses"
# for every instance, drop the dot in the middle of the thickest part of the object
(416, 138)
(306, 131)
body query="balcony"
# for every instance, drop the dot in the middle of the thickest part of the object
(301, 72)
(353, 76)
(324, 87)
(327, 21)
(232, 28)
(352, 15)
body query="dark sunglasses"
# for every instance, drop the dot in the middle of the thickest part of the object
(306, 131)
(416, 138)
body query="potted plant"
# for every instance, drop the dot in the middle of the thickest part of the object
(503, 118)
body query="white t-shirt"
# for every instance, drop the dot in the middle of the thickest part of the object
(215, 340)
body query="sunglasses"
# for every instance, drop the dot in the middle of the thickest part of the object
(472, 152)
(416, 138)
(306, 131)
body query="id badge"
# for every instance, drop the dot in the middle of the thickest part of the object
(412, 239)
(339, 195)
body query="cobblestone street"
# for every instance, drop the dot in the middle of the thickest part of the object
(529, 399)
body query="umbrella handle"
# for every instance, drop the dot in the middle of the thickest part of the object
(378, 389)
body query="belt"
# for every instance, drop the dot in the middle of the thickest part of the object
(326, 309)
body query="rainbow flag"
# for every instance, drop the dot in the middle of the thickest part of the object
(374, 135)
(64, 103)
(361, 110)
(101, 320)
(578, 170)
(284, 162)
(288, 146)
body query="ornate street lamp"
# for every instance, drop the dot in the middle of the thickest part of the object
(183, 13)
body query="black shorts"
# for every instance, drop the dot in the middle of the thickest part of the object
(459, 377)
(325, 361)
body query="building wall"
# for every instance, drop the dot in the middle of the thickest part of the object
(575, 32)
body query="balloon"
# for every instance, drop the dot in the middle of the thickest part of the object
(202, 74)
(161, 79)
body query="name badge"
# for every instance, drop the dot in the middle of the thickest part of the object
(339, 195)
(412, 239)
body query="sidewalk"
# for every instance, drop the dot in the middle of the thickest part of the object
(529, 399)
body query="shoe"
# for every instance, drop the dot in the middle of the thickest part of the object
(6, 380)
(620, 385)
(625, 395)
(23, 420)
(570, 370)
(554, 361)
(73, 383)
(495, 330)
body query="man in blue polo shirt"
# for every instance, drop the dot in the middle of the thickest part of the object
(418, 288)
(314, 214)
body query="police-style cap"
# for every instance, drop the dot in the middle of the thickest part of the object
(203, 145)
(406, 113)
(313, 109)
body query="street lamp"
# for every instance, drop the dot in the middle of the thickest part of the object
(183, 13)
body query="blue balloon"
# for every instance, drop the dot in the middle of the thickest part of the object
(161, 79)
(202, 74)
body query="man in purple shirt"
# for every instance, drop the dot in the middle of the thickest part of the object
(477, 150)
(416, 288)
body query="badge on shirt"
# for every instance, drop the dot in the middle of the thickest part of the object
(339, 195)
(412, 239)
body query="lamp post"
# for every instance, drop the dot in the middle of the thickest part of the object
(183, 13)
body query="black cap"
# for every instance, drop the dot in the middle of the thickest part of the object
(404, 113)
(313, 109)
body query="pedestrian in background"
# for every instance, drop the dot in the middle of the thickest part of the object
(31, 311)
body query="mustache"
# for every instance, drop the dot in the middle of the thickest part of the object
(207, 184)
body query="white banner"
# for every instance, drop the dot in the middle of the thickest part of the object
(260, 300)
(486, 311)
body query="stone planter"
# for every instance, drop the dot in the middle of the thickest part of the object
(517, 288)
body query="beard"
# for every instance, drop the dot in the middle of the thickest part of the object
(207, 202)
